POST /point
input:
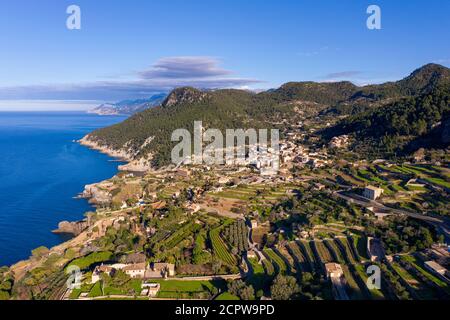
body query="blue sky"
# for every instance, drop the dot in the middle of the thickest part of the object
(135, 48)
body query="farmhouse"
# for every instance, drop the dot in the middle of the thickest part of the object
(339, 142)
(183, 173)
(380, 214)
(158, 205)
(440, 254)
(160, 270)
(435, 267)
(372, 193)
(135, 270)
(224, 180)
(150, 289)
(334, 270)
(251, 254)
(318, 186)
(107, 269)
(336, 275)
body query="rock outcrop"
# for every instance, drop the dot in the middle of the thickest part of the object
(74, 228)
(184, 95)
(115, 153)
(140, 165)
(96, 194)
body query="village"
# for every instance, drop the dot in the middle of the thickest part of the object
(306, 211)
(203, 227)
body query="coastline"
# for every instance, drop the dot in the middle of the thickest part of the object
(118, 156)
(132, 165)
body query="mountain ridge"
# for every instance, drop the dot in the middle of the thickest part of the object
(128, 107)
(232, 108)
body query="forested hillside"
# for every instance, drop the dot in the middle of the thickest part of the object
(387, 116)
(391, 128)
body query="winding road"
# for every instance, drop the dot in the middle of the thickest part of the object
(441, 223)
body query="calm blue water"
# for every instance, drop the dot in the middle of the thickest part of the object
(41, 170)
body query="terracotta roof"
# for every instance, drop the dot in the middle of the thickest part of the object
(104, 268)
(136, 266)
(158, 205)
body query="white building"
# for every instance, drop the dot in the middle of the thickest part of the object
(135, 270)
(372, 193)
(435, 267)
(150, 289)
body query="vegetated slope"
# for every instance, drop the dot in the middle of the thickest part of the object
(376, 110)
(221, 109)
(419, 82)
(400, 127)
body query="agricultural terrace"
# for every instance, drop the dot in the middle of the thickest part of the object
(347, 250)
(305, 247)
(276, 261)
(375, 294)
(255, 193)
(354, 290)
(220, 249)
(420, 289)
(236, 235)
(301, 262)
(417, 267)
(258, 279)
(322, 253)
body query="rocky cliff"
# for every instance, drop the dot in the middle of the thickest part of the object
(74, 228)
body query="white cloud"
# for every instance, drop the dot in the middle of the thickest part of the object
(165, 75)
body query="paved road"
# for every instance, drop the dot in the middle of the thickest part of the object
(442, 223)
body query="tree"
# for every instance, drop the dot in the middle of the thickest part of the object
(307, 278)
(240, 289)
(216, 266)
(4, 295)
(284, 287)
(247, 293)
(234, 287)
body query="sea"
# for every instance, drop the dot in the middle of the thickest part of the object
(42, 170)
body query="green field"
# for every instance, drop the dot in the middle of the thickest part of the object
(259, 279)
(178, 289)
(308, 254)
(89, 260)
(226, 296)
(420, 289)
